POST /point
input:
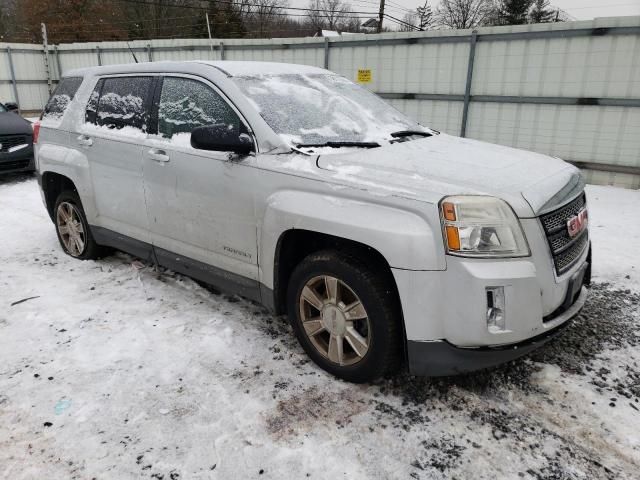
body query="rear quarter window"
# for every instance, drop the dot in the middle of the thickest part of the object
(61, 98)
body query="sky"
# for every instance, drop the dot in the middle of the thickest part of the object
(579, 9)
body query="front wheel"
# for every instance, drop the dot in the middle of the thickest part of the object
(345, 316)
(73, 229)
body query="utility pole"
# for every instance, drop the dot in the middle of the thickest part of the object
(45, 46)
(209, 30)
(380, 16)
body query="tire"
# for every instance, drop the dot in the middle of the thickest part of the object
(322, 319)
(68, 203)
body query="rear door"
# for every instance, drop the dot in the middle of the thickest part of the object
(117, 116)
(200, 203)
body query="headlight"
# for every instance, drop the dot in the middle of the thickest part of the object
(478, 226)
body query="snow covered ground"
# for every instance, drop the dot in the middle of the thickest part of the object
(114, 371)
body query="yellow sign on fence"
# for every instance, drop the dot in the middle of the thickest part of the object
(364, 75)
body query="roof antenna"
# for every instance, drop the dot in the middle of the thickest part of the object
(134, 55)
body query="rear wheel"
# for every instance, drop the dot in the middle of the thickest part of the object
(73, 229)
(345, 316)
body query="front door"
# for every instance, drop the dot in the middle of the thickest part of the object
(200, 203)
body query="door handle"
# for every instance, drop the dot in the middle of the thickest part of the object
(158, 155)
(85, 140)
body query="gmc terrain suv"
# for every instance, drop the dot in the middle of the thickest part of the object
(384, 241)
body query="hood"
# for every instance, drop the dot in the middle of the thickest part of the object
(13, 124)
(430, 168)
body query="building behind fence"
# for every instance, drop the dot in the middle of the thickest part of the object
(566, 89)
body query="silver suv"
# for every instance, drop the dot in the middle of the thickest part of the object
(384, 241)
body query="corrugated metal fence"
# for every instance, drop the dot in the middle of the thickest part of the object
(565, 89)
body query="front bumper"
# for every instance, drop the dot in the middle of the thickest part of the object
(19, 161)
(441, 358)
(445, 312)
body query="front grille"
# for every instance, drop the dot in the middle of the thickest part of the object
(10, 141)
(17, 165)
(565, 250)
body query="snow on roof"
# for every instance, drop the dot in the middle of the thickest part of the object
(230, 68)
(331, 33)
(240, 69)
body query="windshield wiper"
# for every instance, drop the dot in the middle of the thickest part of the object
(410, 133)
(339, 144)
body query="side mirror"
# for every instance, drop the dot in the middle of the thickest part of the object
(12, 107)
(221, 138)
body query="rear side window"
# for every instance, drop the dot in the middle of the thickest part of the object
(119, 102)
(186, 104)
(61, 98)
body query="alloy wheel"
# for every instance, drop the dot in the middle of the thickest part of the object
(70, 229)
(335, 320)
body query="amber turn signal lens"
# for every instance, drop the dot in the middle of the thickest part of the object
(453, 239)
(449, 211)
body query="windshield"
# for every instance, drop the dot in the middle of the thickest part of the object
(320, 108)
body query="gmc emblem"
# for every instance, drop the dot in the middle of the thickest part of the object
(578, 223)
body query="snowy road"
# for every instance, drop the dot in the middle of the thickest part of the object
(118, 372)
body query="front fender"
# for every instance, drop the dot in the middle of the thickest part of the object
(406, 237)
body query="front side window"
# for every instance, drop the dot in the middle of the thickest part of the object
(121, 102)
(186, 104)
(61, 98)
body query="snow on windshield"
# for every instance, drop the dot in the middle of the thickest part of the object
(319, 108)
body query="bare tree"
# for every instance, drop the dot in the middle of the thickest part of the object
(329, 14)
(425, 16)
(410, 22)
(463, 13)
(261, 16)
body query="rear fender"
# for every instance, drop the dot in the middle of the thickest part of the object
(74, 165)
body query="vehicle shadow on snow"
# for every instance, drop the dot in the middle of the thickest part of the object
(607, 322)
(13, 178)
(405, 403)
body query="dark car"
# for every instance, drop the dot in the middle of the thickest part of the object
(16, 141)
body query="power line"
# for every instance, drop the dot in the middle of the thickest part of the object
(80, 27)
(237, 3)
(111, 27)
(391, 6)
(401, 7)
(602, 6)
(401, 22)
(124, 21)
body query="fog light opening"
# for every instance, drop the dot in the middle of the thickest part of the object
(496, 315)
